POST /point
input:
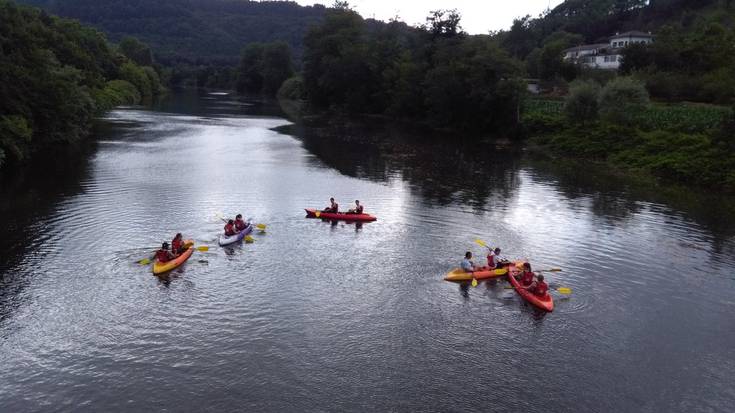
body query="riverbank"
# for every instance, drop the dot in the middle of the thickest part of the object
(684, 144)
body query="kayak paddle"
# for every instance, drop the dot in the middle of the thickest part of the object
(550, 270)
(482, 243)
(249, 239)
(146, 261)
(474, 282)
(317, 213)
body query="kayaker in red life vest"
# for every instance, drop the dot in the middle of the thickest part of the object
(230, 229)
(527, 276)
(177, 245)
(357, 210)
(539, 287)
(494, 261)
(164, 255)
(239, 223)
(333, 207)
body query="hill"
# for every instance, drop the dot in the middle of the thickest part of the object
(193, 31)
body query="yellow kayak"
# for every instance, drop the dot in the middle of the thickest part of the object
(460, 275)
(160, 268)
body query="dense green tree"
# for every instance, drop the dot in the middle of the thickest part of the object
(622, 99)
(250, 71)
(581, 105)
(264, 67)
(434, 73)
(54, 78)
(136, 51)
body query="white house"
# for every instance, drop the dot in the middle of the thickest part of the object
(606, 55)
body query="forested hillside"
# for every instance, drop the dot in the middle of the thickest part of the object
(56, 75)
(193, 31)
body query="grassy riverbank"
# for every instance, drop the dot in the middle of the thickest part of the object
(684, 143)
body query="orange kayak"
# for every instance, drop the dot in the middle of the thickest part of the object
(163, 267)
(545, 303)
(460, 274)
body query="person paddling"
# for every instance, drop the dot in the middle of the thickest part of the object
(494, 261)
(230, 229)
(357, 210)
(538, 287)
(239, 223)
(164, 255)
(526, 278)
(177, 245)
(333, 207)
(467, 264)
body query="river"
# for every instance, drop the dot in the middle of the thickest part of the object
(316, 316)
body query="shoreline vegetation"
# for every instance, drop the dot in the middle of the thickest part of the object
(666, 113)
(57, 76)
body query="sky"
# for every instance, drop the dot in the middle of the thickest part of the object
(478, 16)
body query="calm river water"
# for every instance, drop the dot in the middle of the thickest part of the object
(316, 316)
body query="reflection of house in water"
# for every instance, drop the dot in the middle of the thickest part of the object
(606, 55)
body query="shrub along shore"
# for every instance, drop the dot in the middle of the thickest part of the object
(685, 143)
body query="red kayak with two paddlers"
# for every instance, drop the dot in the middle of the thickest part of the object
(339, 216)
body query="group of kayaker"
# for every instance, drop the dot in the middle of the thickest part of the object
(166, 254)
(494, 261)
(233, 227)
(528, 279)
(333, 208)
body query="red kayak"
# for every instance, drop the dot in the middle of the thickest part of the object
(545, 303)
(313, 213)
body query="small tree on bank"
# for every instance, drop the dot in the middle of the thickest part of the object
(622, 99)
(581, 106)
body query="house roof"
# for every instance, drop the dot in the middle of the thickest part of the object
(634, 33)
(586, 47)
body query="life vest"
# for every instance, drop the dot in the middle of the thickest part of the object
(491, 261)
(229, 230)
(177, 245)
(526, 278)
(541, 288)
(240, 225)
(162, 256)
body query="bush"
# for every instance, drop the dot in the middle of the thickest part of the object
(622, 99)
(581, 105)
(137, 76)
(116, 93)
(292, 89)
(15, 137)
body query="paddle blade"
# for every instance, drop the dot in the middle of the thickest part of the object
(249, 239)
(474, 282)
(481, 243)
(203, 249)
(565, 291)
(261, 227)
(144, 261)
(317, 214)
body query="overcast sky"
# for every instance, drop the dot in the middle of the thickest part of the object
(478, 16)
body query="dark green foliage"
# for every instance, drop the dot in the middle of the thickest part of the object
(136, 51)
(434, 74)
(581, 105)
(264, 67)
(292, 89)
(54, 77)
(193, 32)
(622, 99)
